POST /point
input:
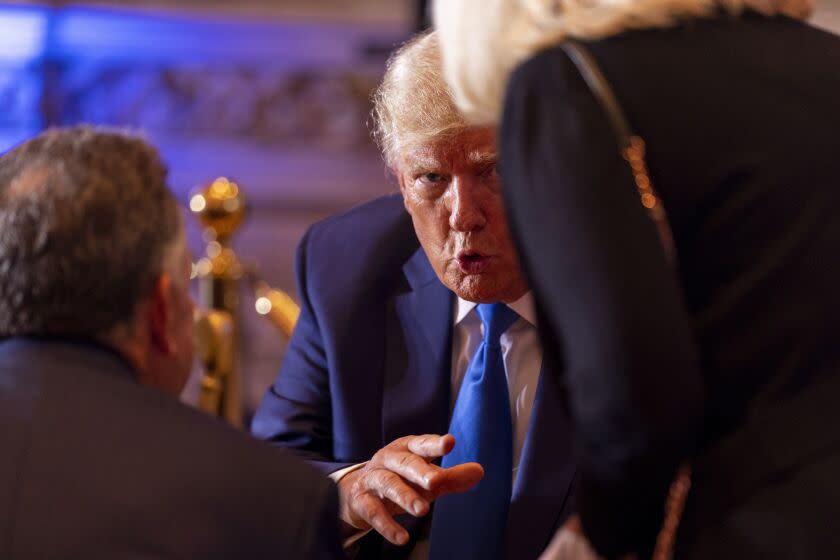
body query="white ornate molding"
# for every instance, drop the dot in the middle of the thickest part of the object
(341, 11)
(279, 104)
(131, 34)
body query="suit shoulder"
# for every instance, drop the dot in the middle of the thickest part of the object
(228, 457)
(371, 238)
(180, 435)
(144, 422)
(242, 498)
(381, 216)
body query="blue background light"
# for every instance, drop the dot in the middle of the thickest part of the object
(259, 99)
(23, 36)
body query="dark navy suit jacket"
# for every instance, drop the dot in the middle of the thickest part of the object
(95, 466)
(370, 361)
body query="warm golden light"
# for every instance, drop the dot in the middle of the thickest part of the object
(203, 267)
(220, 207)
(220, 186)
(263, 305)
(231, 204)
(214, 249)
(198, 203)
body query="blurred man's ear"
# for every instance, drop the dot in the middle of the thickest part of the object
(161, 309)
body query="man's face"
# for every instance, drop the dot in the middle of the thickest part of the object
(453, 193)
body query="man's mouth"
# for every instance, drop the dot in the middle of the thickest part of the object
(472, 263)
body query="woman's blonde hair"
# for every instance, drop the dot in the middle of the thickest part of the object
(413, 104)
(484, 40)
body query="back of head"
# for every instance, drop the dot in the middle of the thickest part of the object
(86, 225)
(413, 104)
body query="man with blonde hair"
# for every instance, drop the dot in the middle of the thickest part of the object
(417, 343)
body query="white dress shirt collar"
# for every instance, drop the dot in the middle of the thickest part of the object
(524, 307)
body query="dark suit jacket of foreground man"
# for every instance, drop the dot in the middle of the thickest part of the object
(371, 361)
(94, 466)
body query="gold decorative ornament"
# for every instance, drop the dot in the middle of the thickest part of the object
(215, 351)
(220, 208)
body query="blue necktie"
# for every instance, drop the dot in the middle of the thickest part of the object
(472, 524)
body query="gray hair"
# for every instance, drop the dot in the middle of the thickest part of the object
(86, 227)
(413, 104)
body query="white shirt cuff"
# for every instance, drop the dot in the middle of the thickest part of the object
(341, 473)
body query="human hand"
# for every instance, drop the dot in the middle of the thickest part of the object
(401, 479)
(569, 543)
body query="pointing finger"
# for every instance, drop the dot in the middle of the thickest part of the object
(431, 446)
(411, 467)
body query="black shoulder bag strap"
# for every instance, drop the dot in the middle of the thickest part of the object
(631, 145)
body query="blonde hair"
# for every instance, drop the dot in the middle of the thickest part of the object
(484, 40)
(413, 104)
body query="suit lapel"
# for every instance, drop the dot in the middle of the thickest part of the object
(418, 339)
(543, 487)
(418, 355)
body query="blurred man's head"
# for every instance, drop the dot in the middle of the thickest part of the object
(447, 175)
(92, 247)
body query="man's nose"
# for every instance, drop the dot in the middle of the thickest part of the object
(466, 213)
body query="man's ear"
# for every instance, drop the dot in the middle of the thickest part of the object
(160, 314)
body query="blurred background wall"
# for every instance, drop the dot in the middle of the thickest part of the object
(274, 94)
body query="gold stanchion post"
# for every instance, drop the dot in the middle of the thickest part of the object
(220, 208)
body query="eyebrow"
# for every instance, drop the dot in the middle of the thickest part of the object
(422, 164)
(482, 157)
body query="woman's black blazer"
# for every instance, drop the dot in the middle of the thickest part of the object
(741, 118)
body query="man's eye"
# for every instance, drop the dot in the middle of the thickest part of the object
(431, 178)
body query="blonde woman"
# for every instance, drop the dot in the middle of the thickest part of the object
(728, 358)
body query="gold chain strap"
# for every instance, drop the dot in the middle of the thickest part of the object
(633, 149)
(674, 507)
(634, 153)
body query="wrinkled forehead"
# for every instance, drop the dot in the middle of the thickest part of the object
(464, 147)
